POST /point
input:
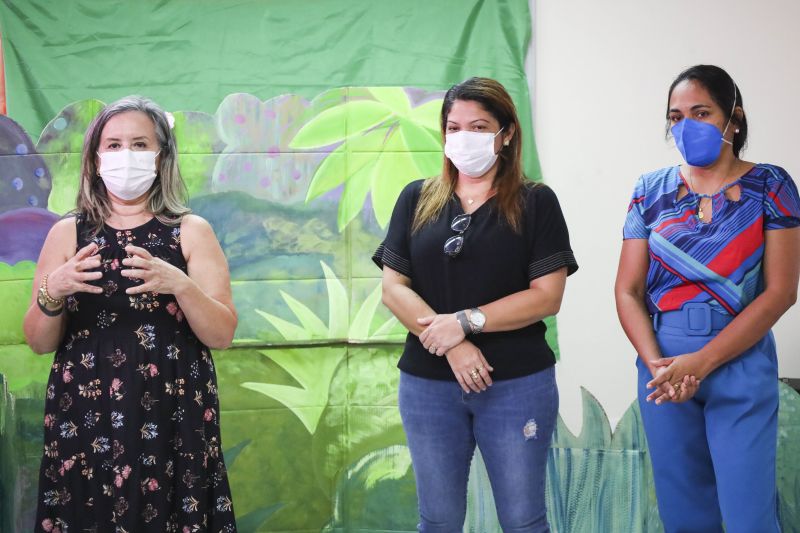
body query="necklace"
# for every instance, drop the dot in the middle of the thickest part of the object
(702, 196)
(488, 194)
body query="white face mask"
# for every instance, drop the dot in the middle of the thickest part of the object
(128, 175)
(471, 152)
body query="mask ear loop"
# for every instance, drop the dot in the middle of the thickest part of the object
(733, 110)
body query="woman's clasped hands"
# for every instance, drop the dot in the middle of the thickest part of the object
(444, 336)
(676, 379)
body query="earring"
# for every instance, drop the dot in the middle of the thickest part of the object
(736, 130)
(505, 143)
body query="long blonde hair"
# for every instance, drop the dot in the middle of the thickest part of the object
(508, 181)
(168, 195)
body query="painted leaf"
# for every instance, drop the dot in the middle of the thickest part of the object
(253, 520)
(338, 305)
(311, 322)
(289, 331)
(232, 453)
(298, 400)
(355, 193)
(337, 123)
(392, 172)
(377, 140)
(359, 328)
(312, 371)
(389, 329)
(394, 97)
(428, 114)
(595, 429)
(420, 139)
(331, 173)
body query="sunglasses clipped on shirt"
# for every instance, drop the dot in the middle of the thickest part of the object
(453, 245)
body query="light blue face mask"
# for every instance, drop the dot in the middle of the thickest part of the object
(700, 143)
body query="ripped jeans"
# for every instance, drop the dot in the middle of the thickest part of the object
(512, 423)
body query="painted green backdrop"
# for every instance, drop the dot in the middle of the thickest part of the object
(298, 123)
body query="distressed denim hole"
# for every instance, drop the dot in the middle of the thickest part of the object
(529, 431)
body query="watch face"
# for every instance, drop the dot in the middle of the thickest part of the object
(477, 317)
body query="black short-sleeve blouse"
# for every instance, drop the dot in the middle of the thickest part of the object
(495, 261)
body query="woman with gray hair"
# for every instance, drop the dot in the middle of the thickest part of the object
(131, 291)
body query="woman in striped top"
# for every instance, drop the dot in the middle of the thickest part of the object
(710, 261)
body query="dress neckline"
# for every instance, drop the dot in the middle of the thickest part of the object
(145, 224)
(683, 181)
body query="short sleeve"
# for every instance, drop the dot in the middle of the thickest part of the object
(635, 227)
(394, 251)
(781, 201)
(550, 250)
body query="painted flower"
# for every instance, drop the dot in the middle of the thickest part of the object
(49, 420)
(208, 415)
(47, 525)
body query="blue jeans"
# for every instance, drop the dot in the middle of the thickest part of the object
(512, 423)
(714, 455)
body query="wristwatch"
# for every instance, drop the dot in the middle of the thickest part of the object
(476, 320)
(461, 316)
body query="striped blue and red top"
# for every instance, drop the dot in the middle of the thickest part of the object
(720, 262)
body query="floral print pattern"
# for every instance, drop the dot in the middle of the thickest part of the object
(131, 423)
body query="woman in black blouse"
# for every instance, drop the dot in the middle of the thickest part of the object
(473, 261)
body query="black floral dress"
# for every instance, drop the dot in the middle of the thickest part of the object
(131, 425)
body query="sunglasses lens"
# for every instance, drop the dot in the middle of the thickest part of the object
(460, 223)
(452, 246)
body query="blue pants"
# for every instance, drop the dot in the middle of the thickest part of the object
(714, 456)
(512, 423)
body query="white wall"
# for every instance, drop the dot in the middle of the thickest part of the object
(599, 74)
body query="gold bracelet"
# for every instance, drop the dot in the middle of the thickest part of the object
(46, 294)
